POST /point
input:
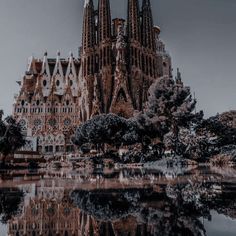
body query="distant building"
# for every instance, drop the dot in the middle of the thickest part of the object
(117, 63)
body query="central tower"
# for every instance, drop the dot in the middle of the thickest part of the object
(104, 41)
(104, 52)
(134, 51)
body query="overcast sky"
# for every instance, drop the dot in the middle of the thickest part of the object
(199, 34)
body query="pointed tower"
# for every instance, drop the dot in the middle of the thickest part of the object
(104, 21)
(149, 55)
(45, 76)
(58, 82)
(164, 64)
(89, 38)
(31, 68)
(104, 52)
(134, 53)
(148, 39)
(71, 77)
(88, 50)
(133, 22)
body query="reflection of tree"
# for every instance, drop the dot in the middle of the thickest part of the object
(107, 205)
(10, 199)
(225, 203)
(151, 213)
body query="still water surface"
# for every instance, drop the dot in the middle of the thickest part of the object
(200, 201)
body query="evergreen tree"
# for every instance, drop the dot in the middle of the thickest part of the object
(11, 137)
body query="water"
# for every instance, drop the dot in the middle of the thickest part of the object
(189, 201)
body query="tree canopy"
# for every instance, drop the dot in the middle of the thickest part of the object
(110, 129)
(11, 137)
(10, 200)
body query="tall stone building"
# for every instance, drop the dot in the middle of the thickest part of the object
(118, 61)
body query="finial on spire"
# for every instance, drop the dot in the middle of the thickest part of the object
(87, 2)
(146, 3)
(178, 73)
(178, 78)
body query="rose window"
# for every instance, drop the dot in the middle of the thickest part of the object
(67, 122)
(22, 123)
(52, 122)
(37, 122)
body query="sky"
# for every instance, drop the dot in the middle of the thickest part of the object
(200, 35)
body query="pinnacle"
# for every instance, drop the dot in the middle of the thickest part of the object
(87, 2)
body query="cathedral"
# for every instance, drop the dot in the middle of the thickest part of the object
(118, 61)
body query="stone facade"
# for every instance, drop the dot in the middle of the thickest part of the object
(117, 63)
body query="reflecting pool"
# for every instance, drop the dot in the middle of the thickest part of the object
(140, 201)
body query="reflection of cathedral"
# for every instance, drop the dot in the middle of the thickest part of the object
(54, 207)
(117, 63)
(49, 213)
(55, 211)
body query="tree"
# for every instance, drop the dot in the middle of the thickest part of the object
(10, 200)
(110, 129)
(11, 137)
(225, 134)
(215, 136)
(206, 138)
(170, 108)
(170, 103)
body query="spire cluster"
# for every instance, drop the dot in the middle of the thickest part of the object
(139, 23)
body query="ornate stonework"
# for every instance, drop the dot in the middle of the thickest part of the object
(118, 62)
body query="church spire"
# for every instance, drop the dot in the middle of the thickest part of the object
(147, 26)
(88, 25)
(133, 24)
(45, 66)
(104, 20)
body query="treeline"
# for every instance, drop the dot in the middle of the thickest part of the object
(168, 117)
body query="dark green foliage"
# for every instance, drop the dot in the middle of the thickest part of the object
(33, 165)
(165, 215)
(216, 136)
(171, 106)
(225, 134)
(110, 129)
(10, 199)
(11, 137)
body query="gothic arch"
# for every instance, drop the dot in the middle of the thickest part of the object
(121, 95)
